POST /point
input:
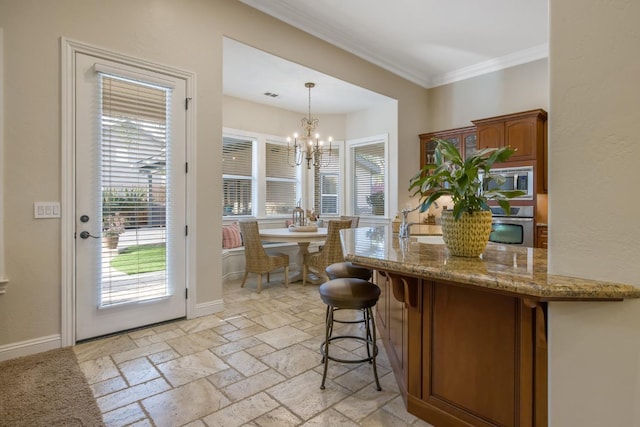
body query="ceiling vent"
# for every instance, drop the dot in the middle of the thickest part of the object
(272, 95)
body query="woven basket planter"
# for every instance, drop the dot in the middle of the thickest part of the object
(467, 236)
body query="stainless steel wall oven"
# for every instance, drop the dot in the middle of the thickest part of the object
(514, 229)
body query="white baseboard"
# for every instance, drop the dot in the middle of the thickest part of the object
(210, 307)
(25, 348)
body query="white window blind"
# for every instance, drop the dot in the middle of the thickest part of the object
(282, 181)
(368, 170)
(134, 119)
(237, 161)
(327, 184)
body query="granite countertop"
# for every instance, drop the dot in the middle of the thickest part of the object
(512, 269)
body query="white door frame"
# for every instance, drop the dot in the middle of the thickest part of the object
(69, 48)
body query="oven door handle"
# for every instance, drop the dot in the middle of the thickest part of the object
(502, 219)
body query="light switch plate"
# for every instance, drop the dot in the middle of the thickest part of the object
(46, 210)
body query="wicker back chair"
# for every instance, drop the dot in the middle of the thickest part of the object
(355, 220)
(257, 260)
(330, 253)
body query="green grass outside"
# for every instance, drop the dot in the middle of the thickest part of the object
(141, 259)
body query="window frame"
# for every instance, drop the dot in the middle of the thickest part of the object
(259, 173)
(305, 177)
(251, 178)
(338, 146)
(349, 172)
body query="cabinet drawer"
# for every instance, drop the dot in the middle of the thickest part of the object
(541, 237)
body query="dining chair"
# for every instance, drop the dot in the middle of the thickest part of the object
(355, 220)
(331, 252)
(257, 260)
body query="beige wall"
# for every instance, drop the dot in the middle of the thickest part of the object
(521, 88)
(378, 120)
(594, 148)
(186, 34)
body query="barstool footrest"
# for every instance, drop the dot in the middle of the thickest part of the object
(355, 337)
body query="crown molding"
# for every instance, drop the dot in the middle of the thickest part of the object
(517, 58)
(343, 40)
(332, 35)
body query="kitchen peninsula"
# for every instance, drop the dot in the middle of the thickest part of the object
(466, 337)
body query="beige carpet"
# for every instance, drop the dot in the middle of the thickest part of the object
(46, 389)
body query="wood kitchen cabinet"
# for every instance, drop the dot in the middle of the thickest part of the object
(464, 140)
(524, 132)
(439, 334)
(541, 236)
(467, 337)
(392, 321)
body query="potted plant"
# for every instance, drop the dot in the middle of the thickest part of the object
(465, 228)
(112, 228)
(376, 201)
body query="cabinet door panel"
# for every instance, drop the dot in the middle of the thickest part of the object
(474, 335)
(521, 136)
(455, 140)
(491, 136)
(470, 143)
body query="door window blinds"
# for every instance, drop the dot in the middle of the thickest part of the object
(134, 130)
(368, 178)
(237, 178)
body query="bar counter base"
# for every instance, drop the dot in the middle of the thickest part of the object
(462, 355)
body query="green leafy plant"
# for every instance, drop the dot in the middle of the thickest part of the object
(452, 176)
(376, 201)
(113, 225)
(128, 202)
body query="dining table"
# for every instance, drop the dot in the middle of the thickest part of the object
(302, 238)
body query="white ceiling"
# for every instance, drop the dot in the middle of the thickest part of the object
(429, 42)
(249, 73)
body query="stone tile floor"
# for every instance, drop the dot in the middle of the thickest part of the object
(255, 364)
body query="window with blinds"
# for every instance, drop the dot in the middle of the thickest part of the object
(134, 124)
(368, 177)
(237, 178)
(282, 181)
(327, 184)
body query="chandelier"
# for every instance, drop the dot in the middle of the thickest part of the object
(306, 147)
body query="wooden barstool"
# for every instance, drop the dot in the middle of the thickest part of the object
(351, 294)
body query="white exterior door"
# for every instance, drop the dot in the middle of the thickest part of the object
(130, 197)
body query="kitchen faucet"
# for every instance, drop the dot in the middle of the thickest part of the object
(404, 231)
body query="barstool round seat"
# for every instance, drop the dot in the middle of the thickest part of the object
(347, 269)
(349, 293)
